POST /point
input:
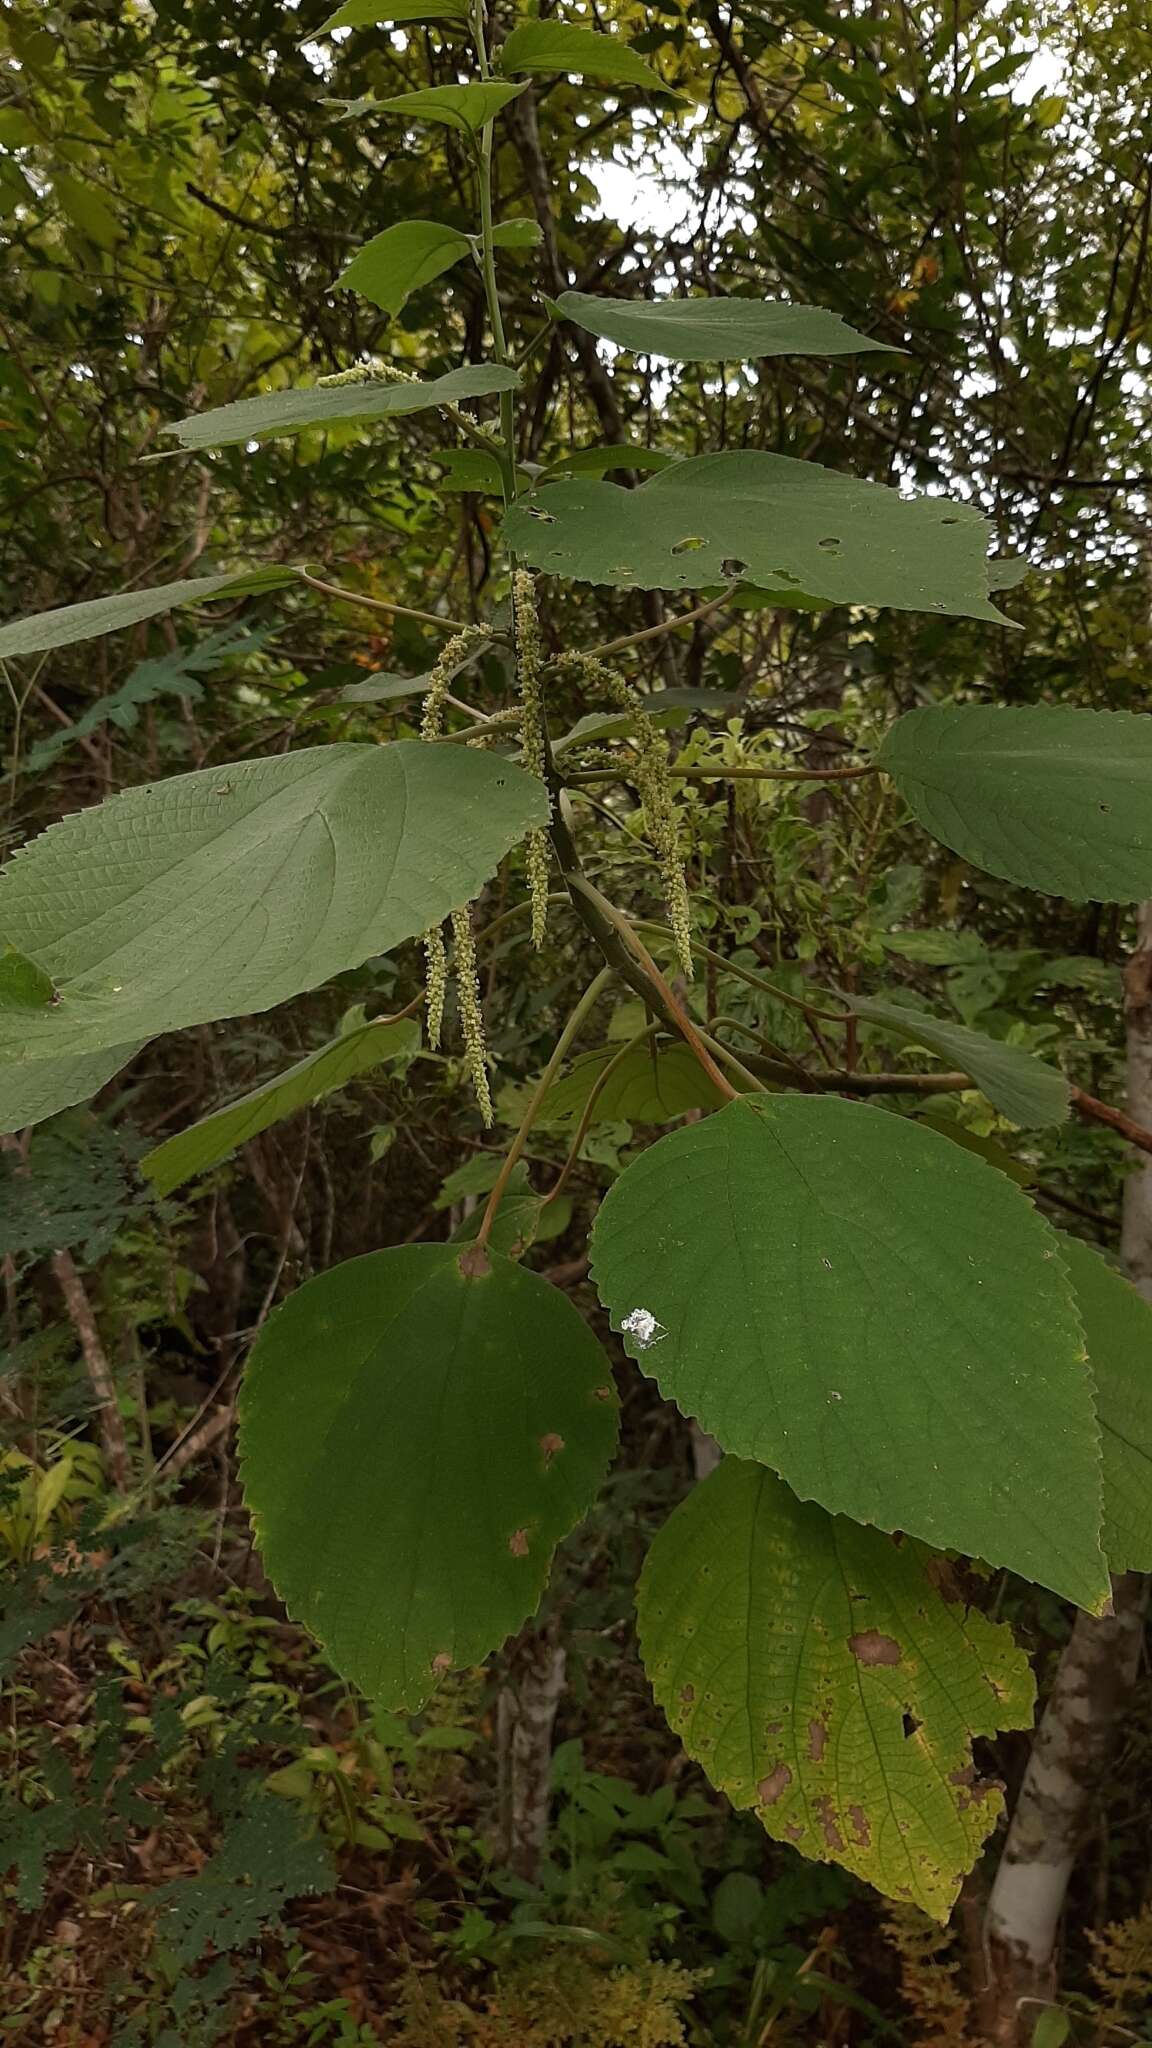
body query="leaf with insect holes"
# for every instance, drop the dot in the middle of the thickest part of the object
(230, 890)
(393, 265)
(715, 330)
(1046, 795)
(874, 1313)
(415, 1440)
(88, 621)
(1118, 1328)
(803, 532)
(317, 405)
(830, 1679)
(1019, 1085)
(206, 1143)
(555, 46)
(368, 13)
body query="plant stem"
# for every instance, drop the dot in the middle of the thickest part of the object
(732, 774)
(488, 263)
(379, 604)
(701, 611)
(760, 981)
(598, 1087)
(588, 1001)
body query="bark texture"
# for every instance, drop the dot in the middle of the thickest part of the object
(525, 1717)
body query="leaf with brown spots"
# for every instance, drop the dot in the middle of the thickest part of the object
(418, 1430)
(844, 1714)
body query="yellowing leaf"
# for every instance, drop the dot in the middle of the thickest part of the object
(819, 1674)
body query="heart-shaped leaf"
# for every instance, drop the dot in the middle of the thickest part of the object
(790, 527)
(818, 1674)
(550, 46)
(715, 330)
(389, 268)
(230, 890)
(418, 1430)
(1047, 795)
(873, 1312)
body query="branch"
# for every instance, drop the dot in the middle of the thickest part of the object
(82, 1318)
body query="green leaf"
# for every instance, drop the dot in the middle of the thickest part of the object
(1018, 1084)
(465, 108)
(788, 526)
(601, 460)
(1046, 795)
(1118, 1329)
(367, 13)
(23, 985)
(786, 1647)
(517, 233)
(546, 46)
(81, 202)
(874, 1313)
(523, 1218)
(111, 614)
(415, 1440)
(32, 1089)
(716, 330)
(230, 890)
(206, 1143)
(646, 1088)
(290, 412)
(469, 469)
(389, 268)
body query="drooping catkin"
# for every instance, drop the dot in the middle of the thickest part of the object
(366, 373)
(656, 793)
(446, 666)
(471, 1014)
(435, 982)
(530, 679)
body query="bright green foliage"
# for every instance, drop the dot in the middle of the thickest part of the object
(314, 405)
(1118, 1327)
(416, 1439)
(549, 46)
(1047, 795)
(206, 1143)
(714, 330)
(523, 1217)
(23, 985)
(518, 232)
(648, 1086)
(599, 460)
(111, 614)
(367, 13)
(464, 108)
(32, 1089)
(874, 1313)
(1018, 1084)
(786, 526)
(230, 890)
(390, 267)
(787, 1645)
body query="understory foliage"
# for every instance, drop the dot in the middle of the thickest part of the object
(575, 798)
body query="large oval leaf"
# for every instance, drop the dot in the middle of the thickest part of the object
(1018, 1084)
(649, 1086)
(328, 405)
(550, 46)
(389, 268)
(415, 1440)
(227, 891)
(873, 1312)
(1118, 1327)
(31, 1090)
(1055, 798)
(767, 520)
(818, 1675)
(715, 330)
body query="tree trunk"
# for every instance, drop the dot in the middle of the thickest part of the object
(1094, 1680)
(525, 1717)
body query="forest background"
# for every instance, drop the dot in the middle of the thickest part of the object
(206, 1836)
